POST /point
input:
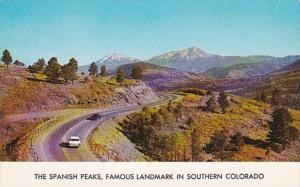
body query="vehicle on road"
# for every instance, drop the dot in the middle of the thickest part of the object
(74, 141)
(95, 116)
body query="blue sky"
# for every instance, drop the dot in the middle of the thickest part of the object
(89, 30)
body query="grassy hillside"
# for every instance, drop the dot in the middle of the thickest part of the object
(162, 78)
(169, 133)
(287, 80)
(25, 93)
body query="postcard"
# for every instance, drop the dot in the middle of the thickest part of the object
(139, 93)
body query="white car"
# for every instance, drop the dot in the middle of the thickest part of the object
(74, 141)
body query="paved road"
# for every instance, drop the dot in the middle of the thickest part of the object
(49, 148)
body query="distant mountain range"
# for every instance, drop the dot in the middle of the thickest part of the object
(196, 60)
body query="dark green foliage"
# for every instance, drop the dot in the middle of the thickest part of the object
(178, 111)
(19, 63)
(93, 69)
(53, 69)
(73, 65)
(264, 97)
(237, 141)
(103, 72)
(190, 122)
(6, 58)
(280, 130)
(211, 104)
(196, 147)
(154, 134)
(37, 66)
(137, 72)
(276, 97)
(223, 102)
(170, 106)
(120, 75)
(66, 72)
(218, 144)
(195, 91)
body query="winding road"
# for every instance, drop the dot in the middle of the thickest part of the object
(49, 147)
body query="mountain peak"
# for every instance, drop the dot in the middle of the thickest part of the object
(194, 52)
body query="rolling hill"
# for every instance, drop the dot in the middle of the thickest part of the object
(250, 69)
(198, 61)
(162, 78)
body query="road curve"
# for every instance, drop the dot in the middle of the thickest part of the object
(49, 149)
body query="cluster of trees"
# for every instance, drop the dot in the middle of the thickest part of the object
(223, 146)
(54, 70)
(136, 73)
(275, 99)
(7, 59)
(222, 100)
(155, 133)
(120, 76)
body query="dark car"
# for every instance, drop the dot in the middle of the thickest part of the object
(95, 117)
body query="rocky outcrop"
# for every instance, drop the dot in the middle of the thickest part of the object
(140, 93)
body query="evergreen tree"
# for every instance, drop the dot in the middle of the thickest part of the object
(218, 144)
(223, 102)
(6, 58)
(170, 106)
(237, 141)
(74, 68)
(137, 72)
(18, 63)
(103, 71)
(196, 145)
(53, 69)
(190, 122)
(264, 97)
(66, 72)
(211, 104)
(93, 69)
(276, 97)
(178, 111)
(38, 66)
(120, 75)
(279, 128)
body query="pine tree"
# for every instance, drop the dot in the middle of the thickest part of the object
(38, 66)
(238, 141)
(218, 144)
(6, 58)
(103, 71)
(196, 147)
(170, 106)
(137, 72)
(279, 128)
(66, 72)
(74, 68)
(276, 97)
(178, 111)
(120, 75)
(190, 122)
(211, 104)
(223, 102)
(18, 63)
(53, 69)
(264, 97)
(93, 69)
